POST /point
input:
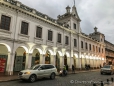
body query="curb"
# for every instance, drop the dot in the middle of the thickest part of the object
(8, 80)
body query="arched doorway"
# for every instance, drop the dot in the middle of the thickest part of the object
(20, 59)
(57, 62)
(3, 58)
(65, 60)
(35, 57)
(47, 58)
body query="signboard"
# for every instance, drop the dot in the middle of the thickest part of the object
(2, 64)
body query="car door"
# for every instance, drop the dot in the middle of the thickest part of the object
(48, 70)
(41, 71)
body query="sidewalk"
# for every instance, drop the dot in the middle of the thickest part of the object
(112, 84)
(15, 77)
(8, 78)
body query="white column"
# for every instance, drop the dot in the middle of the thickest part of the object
(10, 63)
(61, 62)
(83, 62)
(53, 59)
(79, 60)
(28, 60)
(72, 61)
(68, 62)
(77, 63)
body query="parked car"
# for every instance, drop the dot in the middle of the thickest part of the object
(38, 71)
(107, 69)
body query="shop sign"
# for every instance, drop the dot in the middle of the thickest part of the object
(2, 64)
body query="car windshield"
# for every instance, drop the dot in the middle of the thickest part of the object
(35, 67)
(107, 66)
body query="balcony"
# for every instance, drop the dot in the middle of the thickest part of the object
(50, 43)
(23, 37)
(58, 44)
(38, 40)
(5, 33)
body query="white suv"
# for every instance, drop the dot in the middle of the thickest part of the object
(38, 71)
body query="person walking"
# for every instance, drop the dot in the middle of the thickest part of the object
(73, 69)
(67, 68)
(64, 70)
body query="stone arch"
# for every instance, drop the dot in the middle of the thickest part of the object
(58, 59)
(7, 46)
(67, 53)
(39, 48)
(47, 57)
(4, 57)
(50, 50)
(35, 56)
(26, 47)
(20, 57)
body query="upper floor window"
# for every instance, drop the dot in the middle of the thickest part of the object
(102, 50)
(99, 50)
(93, 48)
(86, 46)
(59, 38)
(74, 26)
(39, 32)
(24, 28)
(96, 49)
(75, 42)
(50, 34)
(89, 46)
(5, 22)
(66, 40)
(81, 44)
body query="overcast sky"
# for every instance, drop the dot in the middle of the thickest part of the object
(99, 13)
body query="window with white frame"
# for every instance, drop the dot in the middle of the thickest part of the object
(66, 40)
(5, 22)
(24, 28)
(59, 38)
(75, 42)
(39, 32)
(50, 34)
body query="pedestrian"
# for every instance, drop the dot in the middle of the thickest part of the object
(89, 67)
(100, 66)
(64, 70)
(67, 68)
(86, 66)
(73, 69)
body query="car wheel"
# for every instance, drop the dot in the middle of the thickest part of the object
(32, 78)
(52, 76)
(101, 73)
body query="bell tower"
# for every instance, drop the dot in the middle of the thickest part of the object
(70, 19)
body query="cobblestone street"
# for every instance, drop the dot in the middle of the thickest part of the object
(80, 79)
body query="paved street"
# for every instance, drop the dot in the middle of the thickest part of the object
(80, 79)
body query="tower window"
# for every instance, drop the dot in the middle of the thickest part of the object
(74, 26)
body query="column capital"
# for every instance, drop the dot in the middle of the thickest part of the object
(29, 53)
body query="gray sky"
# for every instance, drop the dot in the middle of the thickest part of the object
(99, 13)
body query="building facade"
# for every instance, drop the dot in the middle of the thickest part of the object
(109, 52)
(28, 37)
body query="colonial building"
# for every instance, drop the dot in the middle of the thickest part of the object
(28, 37)
(109, 51)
